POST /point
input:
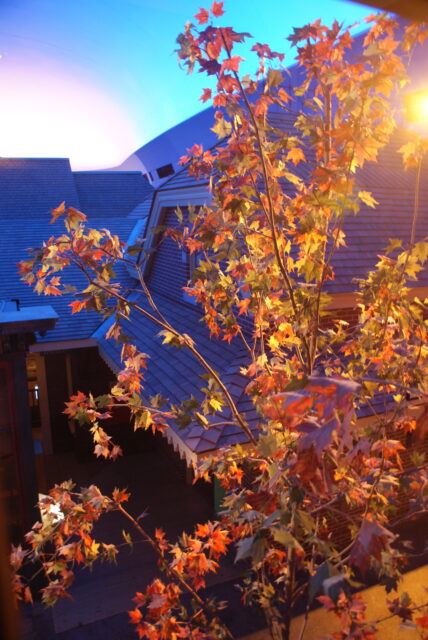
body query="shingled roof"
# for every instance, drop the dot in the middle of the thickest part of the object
(110, 193)
(29, 189)
(18, 235)
(367, 233)
(174, 373)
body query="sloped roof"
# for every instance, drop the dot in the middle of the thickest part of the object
(367, 233)
(142, 210)
(31, 187)
(110, 193)
(18, 235)
(171, 372)
(174, 373)
(182, 180)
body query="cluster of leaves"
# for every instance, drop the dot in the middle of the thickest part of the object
(159, 611)
(283, 179)
(63, 542)
(63, 539)
(87, 410)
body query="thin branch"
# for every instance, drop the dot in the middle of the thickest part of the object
(393, 615)
(391, 383)
(336, 235)
(305, 622)
(271, 212)
(185, 340)
(412, 469)
(172, 572)
(412, 240)
(410, 516)
(416, 201)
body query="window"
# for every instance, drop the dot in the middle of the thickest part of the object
(191, 262)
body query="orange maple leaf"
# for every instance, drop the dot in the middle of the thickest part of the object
(283, 95)
(57, 212)
(120, 495)
(217, 9)
(232, 64)
(77, 305)
(135, 616)
(202, 16)
(196, 150)
(206, 95)
(74, 218)
(51, 290)
(25, 266)
(220, 100)
(243, 305)
(296, 155)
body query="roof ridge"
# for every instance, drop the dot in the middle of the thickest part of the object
(106, 171)
(34, 158)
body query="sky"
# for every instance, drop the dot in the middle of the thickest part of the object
(94, 80)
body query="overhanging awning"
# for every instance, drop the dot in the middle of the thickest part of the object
(28, 320)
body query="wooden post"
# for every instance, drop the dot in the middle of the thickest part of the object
(69, 374)
(8, 611)
(45, 415)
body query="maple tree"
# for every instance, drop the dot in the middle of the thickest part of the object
(266, 243)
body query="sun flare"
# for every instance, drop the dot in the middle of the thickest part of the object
(416, 105)
(50, 114)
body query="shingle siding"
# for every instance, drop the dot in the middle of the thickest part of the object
(368, 233)
(168, 272)
(182, 180)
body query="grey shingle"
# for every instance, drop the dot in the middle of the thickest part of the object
(110, 193)
(31, 187)
(175, 372)
(18, 235)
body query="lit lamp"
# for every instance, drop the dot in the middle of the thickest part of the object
(416, 110)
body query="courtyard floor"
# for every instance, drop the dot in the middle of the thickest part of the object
(101, 597)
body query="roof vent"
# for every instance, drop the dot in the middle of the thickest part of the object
(166, 170)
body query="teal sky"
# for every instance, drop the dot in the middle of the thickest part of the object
(96, 79)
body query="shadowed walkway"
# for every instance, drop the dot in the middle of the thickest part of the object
(156, 481)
